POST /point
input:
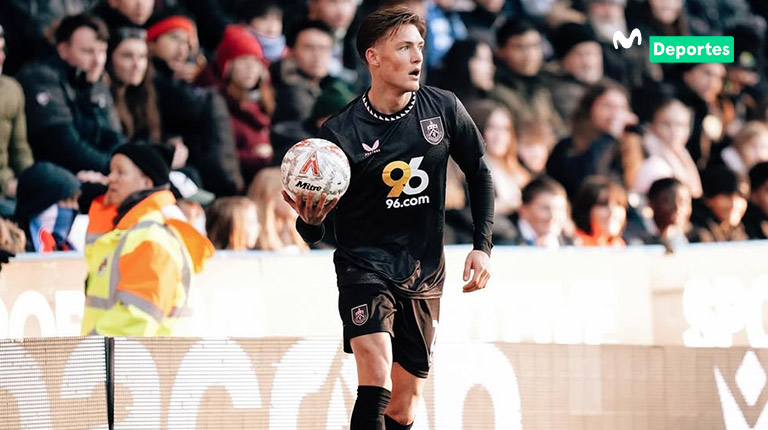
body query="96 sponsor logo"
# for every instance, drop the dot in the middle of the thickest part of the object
(402, 184)
(407, 202)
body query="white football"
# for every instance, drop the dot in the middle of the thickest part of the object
(315, 165)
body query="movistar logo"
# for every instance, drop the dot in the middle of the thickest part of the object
(626, 42)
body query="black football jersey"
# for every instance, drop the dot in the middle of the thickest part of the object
(390, 221)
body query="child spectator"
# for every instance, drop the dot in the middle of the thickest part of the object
(232, 223)
(276, 217)
(242, 66)
(47, 206)
(600, 213)
(543, 217)
(265, 20)
(670, 201)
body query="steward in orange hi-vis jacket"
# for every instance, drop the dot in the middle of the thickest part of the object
(140, 258)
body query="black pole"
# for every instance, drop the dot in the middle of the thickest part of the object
(109, 348)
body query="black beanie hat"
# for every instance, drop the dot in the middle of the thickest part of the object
(758, 175)
(569, 35)
(42, 185)
(722, 180)
(747, 46)
(151, 160)
(117, 36)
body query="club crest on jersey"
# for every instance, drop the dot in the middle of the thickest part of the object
(432, 129)
(360, 315)
(311, 164)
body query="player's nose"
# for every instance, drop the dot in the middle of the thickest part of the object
(417, 57)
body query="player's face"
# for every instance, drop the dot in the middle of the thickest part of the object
(400, 57)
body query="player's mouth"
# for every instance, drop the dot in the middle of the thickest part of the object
(415, 73)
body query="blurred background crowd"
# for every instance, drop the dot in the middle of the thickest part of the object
(588, 145)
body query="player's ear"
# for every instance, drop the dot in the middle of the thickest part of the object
(372, 57)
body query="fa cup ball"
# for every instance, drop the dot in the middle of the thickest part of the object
(317, 166)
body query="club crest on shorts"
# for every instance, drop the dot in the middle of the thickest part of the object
(360, 315)
(432, 129)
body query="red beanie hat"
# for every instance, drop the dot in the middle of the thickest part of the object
(237, 41)
(176, 22)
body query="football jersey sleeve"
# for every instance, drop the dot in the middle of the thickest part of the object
(467, 150)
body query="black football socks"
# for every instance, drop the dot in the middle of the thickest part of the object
(370, 405)
(390, 424)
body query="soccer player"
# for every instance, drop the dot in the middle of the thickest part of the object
(389, 224)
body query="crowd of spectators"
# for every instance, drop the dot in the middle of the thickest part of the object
(588, 145)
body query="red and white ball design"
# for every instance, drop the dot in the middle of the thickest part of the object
(315, 165)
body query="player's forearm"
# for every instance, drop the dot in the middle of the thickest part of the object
(310, 233)
(481, 203)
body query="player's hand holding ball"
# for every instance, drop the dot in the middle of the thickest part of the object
(315, 174)
(310, 211)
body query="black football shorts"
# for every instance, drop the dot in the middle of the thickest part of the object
(373, 307)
